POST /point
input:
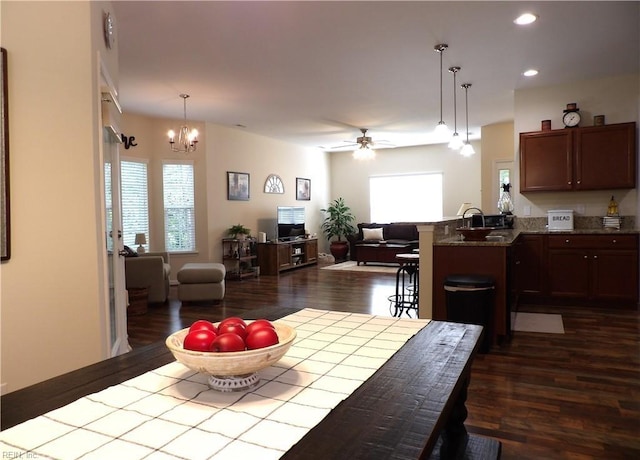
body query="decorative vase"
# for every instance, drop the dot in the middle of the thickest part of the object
(505, 203)
(339, 250)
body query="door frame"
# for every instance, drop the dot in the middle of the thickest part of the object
(114, 315)
(495, 191)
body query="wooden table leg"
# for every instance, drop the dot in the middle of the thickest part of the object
(454, 435)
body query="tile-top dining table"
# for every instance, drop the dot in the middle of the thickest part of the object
(352, 386)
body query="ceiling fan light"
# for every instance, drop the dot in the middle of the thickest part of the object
(467, 150)
(364, 152)
(455, 143)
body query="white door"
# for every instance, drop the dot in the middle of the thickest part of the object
(117, 314)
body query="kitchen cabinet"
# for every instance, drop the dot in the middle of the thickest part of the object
(529, 262)
(606, 157)
(599, 268)
(278, 257)
(546, 160)
(590, 158)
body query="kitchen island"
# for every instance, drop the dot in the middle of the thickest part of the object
(412, 407)
(454, 256)
(573, 267)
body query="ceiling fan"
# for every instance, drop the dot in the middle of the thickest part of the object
(364, 145)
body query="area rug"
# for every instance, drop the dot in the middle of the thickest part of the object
(352, 266)
(537, 322)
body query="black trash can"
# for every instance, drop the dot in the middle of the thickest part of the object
(469, 299)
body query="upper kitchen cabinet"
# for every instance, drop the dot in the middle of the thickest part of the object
(546, 159)
(590, 158)
(606, 157)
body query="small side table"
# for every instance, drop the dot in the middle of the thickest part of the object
(138, 301)
(405, 298)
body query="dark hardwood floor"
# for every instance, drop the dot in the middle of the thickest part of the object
(544, 396)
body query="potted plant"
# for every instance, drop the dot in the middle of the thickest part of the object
(337, 223)
(238, 231)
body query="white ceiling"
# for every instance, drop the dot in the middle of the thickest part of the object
(314, 72)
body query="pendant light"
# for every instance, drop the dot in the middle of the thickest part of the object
(187, 138)
(455, 143)
(441, 131)
(467, 149)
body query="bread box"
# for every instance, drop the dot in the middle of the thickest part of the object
(560, 219)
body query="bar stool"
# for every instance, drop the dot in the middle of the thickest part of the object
(405, 298)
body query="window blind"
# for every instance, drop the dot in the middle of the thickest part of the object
(135, 201)
(179, 206)
(108, 205)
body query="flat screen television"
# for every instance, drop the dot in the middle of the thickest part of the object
(290, 222)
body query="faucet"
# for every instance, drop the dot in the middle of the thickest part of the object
(465, 213)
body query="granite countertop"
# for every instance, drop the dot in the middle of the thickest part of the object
(505, 237)
(499, 237)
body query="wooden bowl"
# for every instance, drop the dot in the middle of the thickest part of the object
(233, 368)
(474, 233)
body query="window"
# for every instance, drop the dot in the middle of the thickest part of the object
(179, 208)
(406, 198)
(108, 205)
(503, 178)
(135, 201)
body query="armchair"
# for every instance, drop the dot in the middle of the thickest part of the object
(150, 270)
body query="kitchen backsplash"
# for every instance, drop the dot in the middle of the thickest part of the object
(447, 228)
(579, 223)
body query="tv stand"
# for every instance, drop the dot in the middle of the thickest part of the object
(286, 255)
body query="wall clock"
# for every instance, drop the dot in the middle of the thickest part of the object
(273, 184)
(571, 117)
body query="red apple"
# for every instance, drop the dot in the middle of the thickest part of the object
(261, 338)
(228, 342)
(233, 319)
(234, 328)
(203, 324)
(199, 340)
(259, 324)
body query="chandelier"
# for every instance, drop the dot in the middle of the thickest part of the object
(187, 138)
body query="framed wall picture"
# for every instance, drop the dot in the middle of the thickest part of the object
(5, 215)
(237, 186)
(303, 189)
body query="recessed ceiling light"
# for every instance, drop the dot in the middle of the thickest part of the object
(530, 73)
(526, 18)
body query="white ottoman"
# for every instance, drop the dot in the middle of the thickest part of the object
(201, 281)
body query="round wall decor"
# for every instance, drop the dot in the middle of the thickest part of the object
(273, 184)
